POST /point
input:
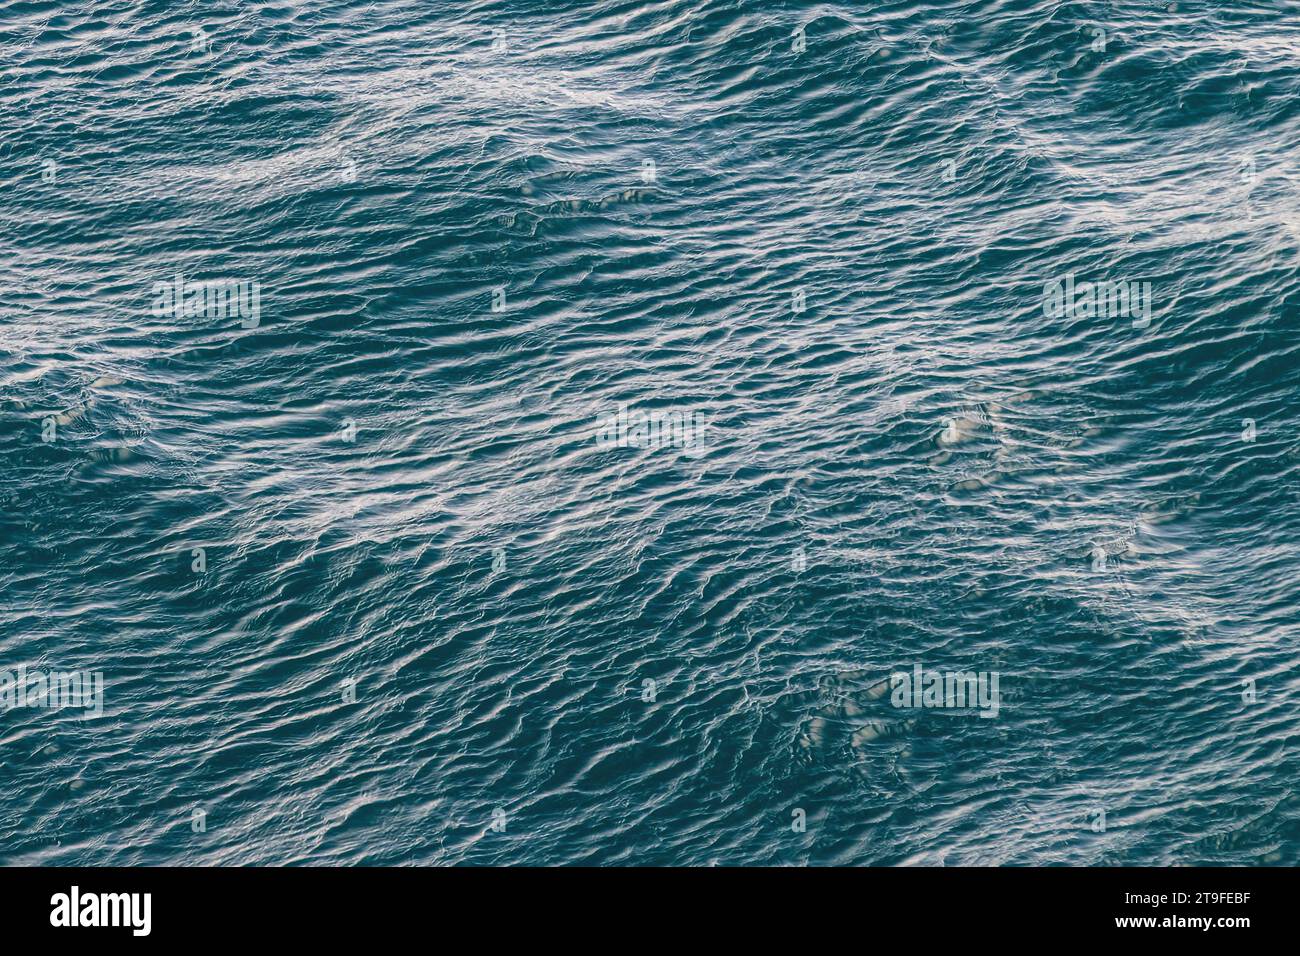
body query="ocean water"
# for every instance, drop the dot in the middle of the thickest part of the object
(374, 572)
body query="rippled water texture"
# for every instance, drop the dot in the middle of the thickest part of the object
(367, 579)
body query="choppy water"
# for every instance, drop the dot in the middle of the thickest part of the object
(366, 587)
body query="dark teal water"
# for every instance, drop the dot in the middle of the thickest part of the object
(436, 619)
